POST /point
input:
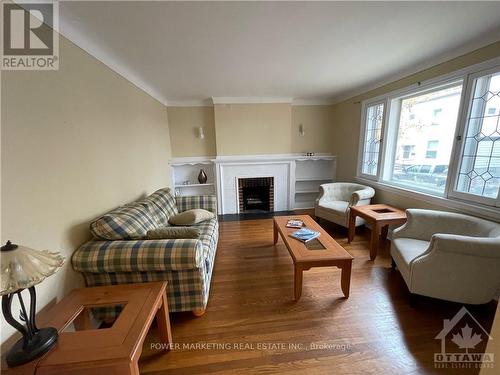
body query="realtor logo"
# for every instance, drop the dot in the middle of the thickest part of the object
(460, 343)
(30, 39)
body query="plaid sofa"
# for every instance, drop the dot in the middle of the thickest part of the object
(117, 254)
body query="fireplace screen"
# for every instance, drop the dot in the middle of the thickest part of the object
(256, 194)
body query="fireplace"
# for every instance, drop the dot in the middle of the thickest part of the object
(256, 194)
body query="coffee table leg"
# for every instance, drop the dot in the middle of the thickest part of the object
(374, 241)
(163, 322)
(352, 227)
(345, 278)
(275, 232)
(297, 281)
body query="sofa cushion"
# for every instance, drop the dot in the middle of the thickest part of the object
(162, 205)
(131, 221)
(404, 250)
(191, 217)
(173, 232)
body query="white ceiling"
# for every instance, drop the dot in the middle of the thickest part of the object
(187, 52)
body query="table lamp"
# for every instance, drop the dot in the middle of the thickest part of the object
(23, 268)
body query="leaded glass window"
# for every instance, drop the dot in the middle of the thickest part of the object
(373, 136)
(479, 172)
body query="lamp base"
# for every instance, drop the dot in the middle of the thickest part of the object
(41, 343)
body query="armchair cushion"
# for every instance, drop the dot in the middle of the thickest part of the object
(406, 250)
(340, 207)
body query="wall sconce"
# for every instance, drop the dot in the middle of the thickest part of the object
(302, 132)
(201, 134)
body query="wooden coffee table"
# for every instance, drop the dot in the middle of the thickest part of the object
(84, 349)
(303, 259)
(379, 216)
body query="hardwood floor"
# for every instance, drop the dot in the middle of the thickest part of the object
(252, 325)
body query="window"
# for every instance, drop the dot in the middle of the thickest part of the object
(432, 147)
(433, 143)
(479, 171)
(441, 138)
(371, 141)
(408, 152)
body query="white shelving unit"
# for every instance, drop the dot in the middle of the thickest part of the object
(299, 189)
(185, 175)
(310, 173)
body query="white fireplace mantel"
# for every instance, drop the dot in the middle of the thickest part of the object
(295, 176)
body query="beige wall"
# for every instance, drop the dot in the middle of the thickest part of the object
(75, 143)
(347, 117)
(240, 129)
(317, 121)
(246, 129)
(184, 123)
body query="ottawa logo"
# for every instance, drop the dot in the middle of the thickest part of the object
(460, 343)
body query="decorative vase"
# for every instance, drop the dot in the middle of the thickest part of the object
(202, 177)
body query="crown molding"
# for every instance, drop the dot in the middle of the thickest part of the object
(250, 100)
(189, 103)
(317, 101)
(247, 100)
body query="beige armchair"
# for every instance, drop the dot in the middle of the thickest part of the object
(335, 200)
(449, 256)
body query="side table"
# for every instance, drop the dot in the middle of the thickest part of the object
(379, 216)
(82, 348)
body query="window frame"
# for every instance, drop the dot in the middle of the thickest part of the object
(460, 141)
(456, 199)
(390, 147)
(361, 146)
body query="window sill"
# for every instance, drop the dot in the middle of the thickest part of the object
(486, 212)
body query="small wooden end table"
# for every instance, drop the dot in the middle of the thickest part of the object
(379, 216)
(87, 350)
(332, 254)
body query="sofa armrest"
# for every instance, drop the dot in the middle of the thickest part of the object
(206, 202)
(140, 255)
(474, 246)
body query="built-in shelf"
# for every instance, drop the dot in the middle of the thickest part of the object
(297, 178)
(188, 169)
(193, 185)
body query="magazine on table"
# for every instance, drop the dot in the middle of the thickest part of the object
(295, 223)
(305, 234)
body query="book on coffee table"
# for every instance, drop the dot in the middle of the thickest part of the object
(295, 223)
(305, 234)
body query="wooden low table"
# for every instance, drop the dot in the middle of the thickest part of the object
(379, 216)
(332, 253)
(84, 349)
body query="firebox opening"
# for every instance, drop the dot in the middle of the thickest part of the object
(256, 194)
